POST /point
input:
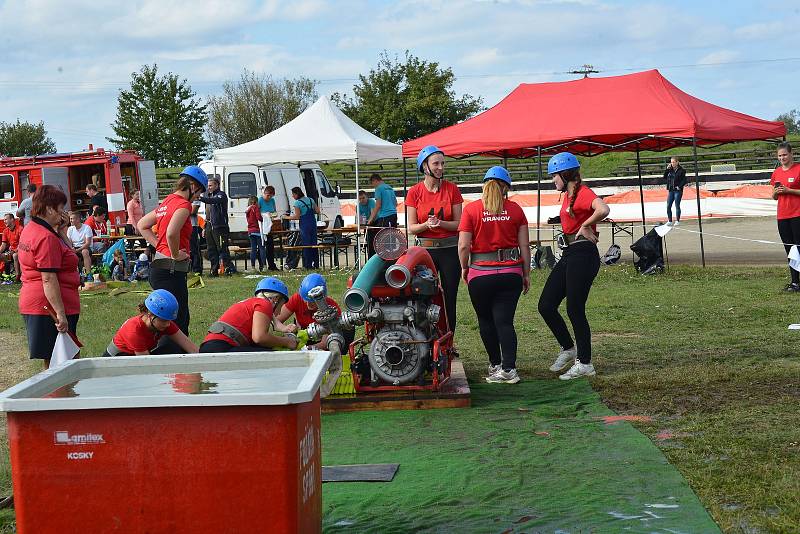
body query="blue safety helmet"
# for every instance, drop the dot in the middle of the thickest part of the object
(425, 153)
(270, 283)
(162, 304)
(561, 162)
(310, 282)
(498, 173)
(197, 174)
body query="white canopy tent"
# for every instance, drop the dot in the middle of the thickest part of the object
(321, 133)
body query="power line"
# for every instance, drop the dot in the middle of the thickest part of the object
(55, 84)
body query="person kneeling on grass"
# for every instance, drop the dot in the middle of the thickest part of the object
(303, 307)
(245, 326)
(153, 331)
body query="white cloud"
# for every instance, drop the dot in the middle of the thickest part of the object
(481, 58)
(720, 56)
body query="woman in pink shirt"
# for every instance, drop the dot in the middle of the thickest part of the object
(135, 213)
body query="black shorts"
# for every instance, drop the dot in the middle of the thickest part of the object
(41, 330)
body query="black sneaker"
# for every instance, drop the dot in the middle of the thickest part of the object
(791, 288)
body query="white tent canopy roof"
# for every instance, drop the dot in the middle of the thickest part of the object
(321, 133)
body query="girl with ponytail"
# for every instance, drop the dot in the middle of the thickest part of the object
(495, 264)
(573, 275)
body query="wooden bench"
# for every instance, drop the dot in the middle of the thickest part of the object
(321, 248)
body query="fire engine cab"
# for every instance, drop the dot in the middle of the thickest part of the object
(117, 174)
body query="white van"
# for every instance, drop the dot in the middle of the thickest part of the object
(241, 181)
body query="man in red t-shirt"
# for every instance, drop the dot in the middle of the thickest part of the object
(10, 242)
(99, 226)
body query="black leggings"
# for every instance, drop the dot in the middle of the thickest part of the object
(175, 283)
(217, 345)
(495, 297)
(449, 267)
(572, 278)
(789, 230)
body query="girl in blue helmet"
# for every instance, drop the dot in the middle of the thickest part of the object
(433, 208)
(247, 325)
(495, 264)
(303, 307)
(573, 275)
(171, 262)
(153, 330)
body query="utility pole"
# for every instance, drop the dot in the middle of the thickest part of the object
(586, 70)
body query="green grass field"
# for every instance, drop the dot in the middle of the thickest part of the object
(705, 352)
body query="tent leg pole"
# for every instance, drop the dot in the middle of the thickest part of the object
(405, 193)
(641, 188)
(539, 197)
(358, 224)
(699, 214)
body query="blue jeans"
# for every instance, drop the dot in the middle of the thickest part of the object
(257, 250)
(674, 196)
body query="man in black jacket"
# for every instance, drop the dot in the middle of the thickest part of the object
(217, 231)
(675, 176)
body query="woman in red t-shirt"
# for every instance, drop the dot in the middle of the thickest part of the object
(574, 273)
(153, 331)
(48, 300)
(171, 263)
(495, 264)
(433, 208)
(303, 307)
(786, 189)
(245, 326)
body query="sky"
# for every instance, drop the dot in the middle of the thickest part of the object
(64, 63)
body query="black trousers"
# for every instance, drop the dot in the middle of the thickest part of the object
(217, 345)
(194, 250)
(449, 267)
(495, 297)
(175, 283)
(571, 278)
(165, 346)
(270, 245)
(217, 243)
(789, 230)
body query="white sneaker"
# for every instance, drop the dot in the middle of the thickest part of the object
(504, 377)
(668, 223)
(565, 358)
(493, 369)
(676, 223)
(578, 370)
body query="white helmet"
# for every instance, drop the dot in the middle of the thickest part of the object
(144, 257)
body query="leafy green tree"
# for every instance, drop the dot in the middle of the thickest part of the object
(792, 121)
(160, 117)
(401, 100)
(254, 106)
(24, 139)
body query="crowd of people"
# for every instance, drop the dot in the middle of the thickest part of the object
(484, 244)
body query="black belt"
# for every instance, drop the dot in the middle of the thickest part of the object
(502, 254)
(437, 242)
(565, 240)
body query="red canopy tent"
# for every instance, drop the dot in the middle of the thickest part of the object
(634, 112)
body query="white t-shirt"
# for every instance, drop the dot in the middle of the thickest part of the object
(78, 236)
(26, 205)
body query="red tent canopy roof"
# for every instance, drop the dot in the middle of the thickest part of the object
(595, 115)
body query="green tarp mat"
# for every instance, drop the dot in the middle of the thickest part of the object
(531, 457)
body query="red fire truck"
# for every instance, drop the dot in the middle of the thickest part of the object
(117, 174)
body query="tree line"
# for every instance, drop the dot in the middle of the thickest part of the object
(163, 119)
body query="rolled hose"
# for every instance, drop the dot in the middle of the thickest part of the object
(356, 298)
(399, 275)
(334, 370)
